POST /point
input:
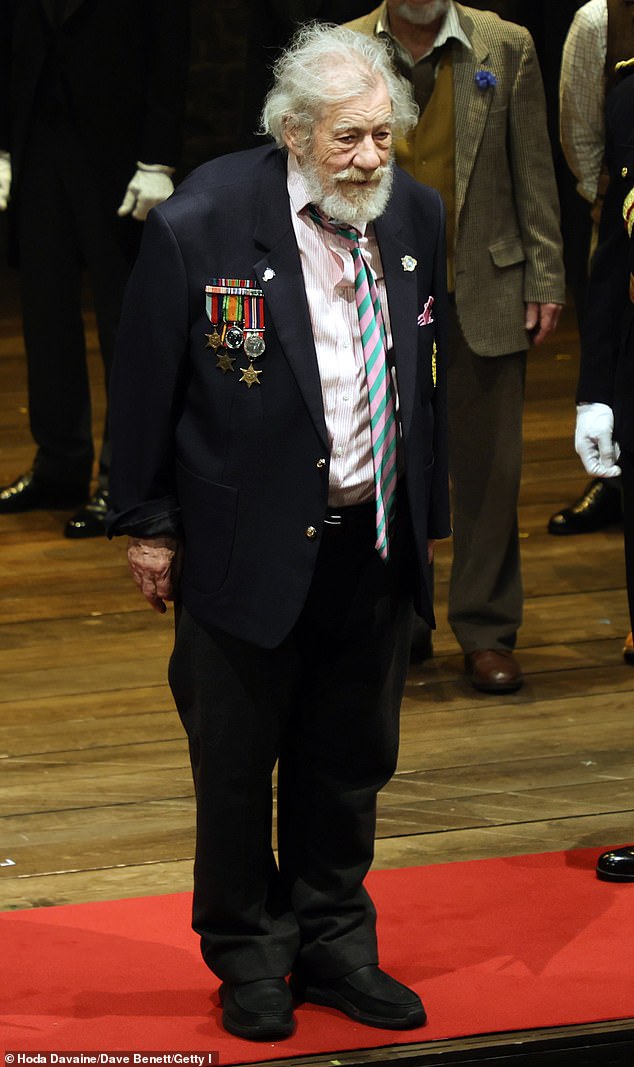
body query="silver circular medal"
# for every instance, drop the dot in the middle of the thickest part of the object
(254, 345)
(234, 337)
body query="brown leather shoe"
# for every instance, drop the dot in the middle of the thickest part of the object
(493, 670)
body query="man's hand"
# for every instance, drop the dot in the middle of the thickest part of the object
(594, 441)
(155, 564)
(5, 179)
(151, 185)
(541, 319)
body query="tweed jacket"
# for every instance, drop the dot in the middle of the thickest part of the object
(508, 243)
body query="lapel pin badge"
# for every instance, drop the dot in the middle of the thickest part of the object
(268, 274)
(408, 263)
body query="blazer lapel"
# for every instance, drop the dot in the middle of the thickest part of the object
(471, 105)
(402, 295)
(279, 272)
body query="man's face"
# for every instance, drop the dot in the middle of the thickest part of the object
(418, 12)
(347, 167)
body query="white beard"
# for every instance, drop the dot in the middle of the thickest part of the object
(422, 16)
(361, 203)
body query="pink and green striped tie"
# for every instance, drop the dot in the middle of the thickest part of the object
(383, 429)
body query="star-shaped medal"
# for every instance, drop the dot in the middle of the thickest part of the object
(225, 362)
(250, 375)
(213, 339)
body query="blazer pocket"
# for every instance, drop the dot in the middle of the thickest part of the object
(507, 252)
(208, 515)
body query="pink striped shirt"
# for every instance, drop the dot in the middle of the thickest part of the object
(328, 270)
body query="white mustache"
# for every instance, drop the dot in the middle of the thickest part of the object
(355, 174)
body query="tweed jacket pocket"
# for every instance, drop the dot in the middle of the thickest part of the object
(507, 252)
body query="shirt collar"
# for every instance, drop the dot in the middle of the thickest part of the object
(450, 28)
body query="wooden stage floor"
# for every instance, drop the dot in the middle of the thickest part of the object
(96, 799)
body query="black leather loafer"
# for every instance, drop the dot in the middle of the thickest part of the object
(367, 995)
(27, 493)
(90, 521)
(259, 1011)
(598, 506)
(617, 865)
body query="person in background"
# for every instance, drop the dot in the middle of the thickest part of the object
(601, 34)
(604, 436)
(482, 141)
(92, 100)
(279, 463)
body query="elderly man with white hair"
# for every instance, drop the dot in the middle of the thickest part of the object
(279, 464)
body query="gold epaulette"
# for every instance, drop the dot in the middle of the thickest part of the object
(624, 64)
(628, 211)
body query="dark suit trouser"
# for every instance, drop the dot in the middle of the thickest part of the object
(486, 398)
(326, 704)
(626, 462)
(63, 226)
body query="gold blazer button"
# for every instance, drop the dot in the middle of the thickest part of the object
(311, 533)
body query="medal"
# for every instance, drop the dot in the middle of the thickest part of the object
(235, 308)
(232, 337)
(250, 375)
(213, 314)
(254, 345)
(213, 339)
(225, 362)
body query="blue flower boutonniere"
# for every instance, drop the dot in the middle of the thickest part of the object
(485, 79)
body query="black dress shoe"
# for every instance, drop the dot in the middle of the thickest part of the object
(617, 865)
(27, 493)
(368, 995)
(598, 506)
(260, 1010)
(90, 521)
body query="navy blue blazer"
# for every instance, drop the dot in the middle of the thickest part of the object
(240, 473)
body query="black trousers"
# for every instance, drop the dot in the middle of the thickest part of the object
(63, 227)
(626, 462)
(325, 704)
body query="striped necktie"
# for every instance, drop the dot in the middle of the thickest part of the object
(379, 381)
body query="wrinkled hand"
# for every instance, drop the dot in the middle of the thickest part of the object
(155, 564)
(541, 320)
(150, 185)
(594, 440)
(5, 179)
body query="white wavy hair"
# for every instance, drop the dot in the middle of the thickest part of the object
(325, 65)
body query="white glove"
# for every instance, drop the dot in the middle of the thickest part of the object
(5, 179)
(151, 185)
(594, 441)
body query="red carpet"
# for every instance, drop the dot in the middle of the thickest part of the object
(492, 945)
